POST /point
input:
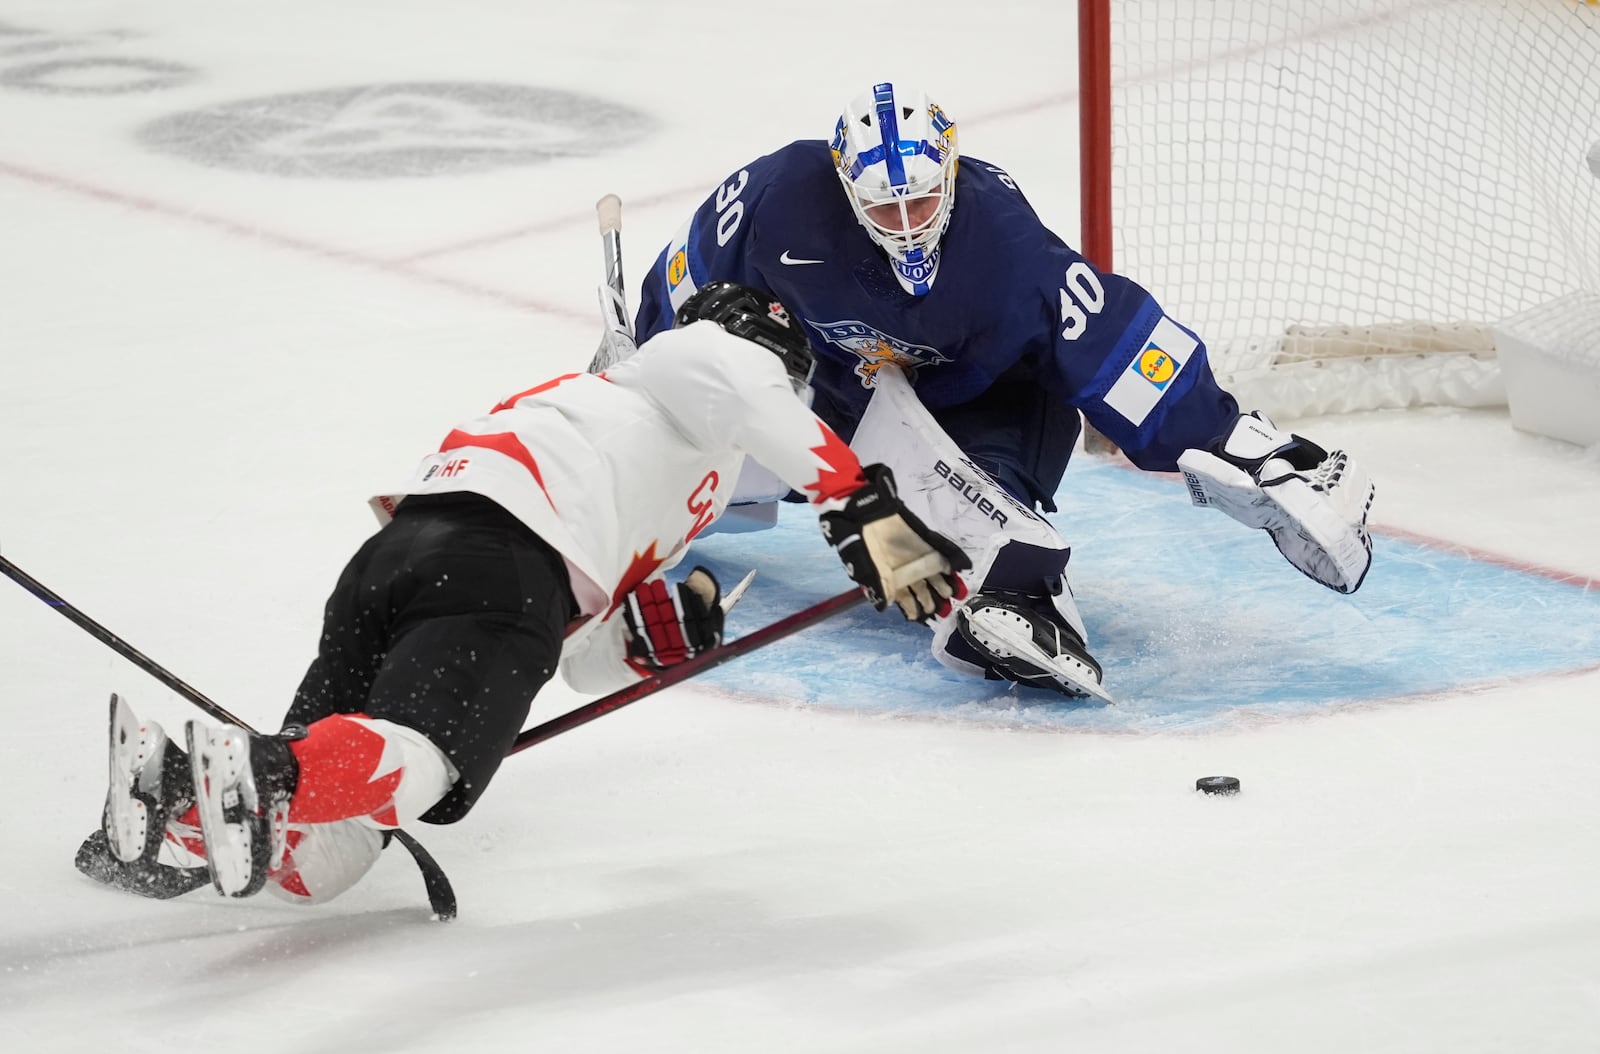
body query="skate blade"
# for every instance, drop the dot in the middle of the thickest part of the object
(216, 759)
(1016, 637)
(127, 815)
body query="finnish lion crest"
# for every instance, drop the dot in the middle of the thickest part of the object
(876, 349)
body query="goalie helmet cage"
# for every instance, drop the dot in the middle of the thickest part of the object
(1345, 197)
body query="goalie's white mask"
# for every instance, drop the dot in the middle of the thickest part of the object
(895, 152)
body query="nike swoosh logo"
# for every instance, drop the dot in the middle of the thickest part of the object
(791, 261)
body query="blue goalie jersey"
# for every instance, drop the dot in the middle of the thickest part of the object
(1013, 309)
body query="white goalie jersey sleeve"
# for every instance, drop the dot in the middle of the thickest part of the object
(619, 471)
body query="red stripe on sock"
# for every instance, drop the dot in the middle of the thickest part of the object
(338, 760)
(288, 875)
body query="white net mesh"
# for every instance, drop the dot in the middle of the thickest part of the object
(1350, 169)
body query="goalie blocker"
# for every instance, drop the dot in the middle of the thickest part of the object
(1313, 503)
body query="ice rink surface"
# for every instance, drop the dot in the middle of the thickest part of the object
(254, 262)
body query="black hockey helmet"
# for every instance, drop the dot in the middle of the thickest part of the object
(758, 317)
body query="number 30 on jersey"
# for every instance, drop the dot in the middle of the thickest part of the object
(730, 210)
(1082, 295)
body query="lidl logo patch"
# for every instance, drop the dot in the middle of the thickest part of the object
(677, 268)
(1139, 388)
(1157, 366)
(680, 279)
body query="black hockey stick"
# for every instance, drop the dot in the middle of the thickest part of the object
(117, 644)
(94, 856)
(684, 670)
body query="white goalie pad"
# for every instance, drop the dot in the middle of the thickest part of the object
(953, 496)
(1317, 517)
(933, 476)
(936, 480)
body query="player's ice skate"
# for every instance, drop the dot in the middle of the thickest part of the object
(243, 783)
(148, 785)
(147, 793)
(1027, 646)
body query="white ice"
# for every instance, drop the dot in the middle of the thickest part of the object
(205, 372)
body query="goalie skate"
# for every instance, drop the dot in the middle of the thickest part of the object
(1026, 646)
(243, 783)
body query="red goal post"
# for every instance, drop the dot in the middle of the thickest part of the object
(1345, 198)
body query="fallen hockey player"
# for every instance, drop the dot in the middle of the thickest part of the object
(536, 537)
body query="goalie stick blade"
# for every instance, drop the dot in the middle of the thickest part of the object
(142, 878)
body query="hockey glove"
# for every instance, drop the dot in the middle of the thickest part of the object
(1313, 503)
(889, 553)
(668, 624)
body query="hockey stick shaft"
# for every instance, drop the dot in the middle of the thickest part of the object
(684, 670)
(616, 339)
(608, 212)
(117, 644)
(441, 898)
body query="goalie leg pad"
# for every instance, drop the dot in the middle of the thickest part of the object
(1313, 503)
(1324, 533)
(944, 487)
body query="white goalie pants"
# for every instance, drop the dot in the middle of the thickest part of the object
(951, 494)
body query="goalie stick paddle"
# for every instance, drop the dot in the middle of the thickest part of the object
(683, 671)
(94, 857)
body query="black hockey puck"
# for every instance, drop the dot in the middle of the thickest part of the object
(1217, 784)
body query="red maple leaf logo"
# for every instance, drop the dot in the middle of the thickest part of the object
(338, 763)
(841, 469)
(640, 568)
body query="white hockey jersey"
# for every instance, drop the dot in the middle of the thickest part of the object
(619, 471)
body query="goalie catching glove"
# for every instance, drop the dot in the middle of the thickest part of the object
(668, 624)
(1313, 503)
(889, 552)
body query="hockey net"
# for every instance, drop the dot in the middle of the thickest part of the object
(1345, 197)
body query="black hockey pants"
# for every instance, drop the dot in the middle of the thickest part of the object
(448, 620)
